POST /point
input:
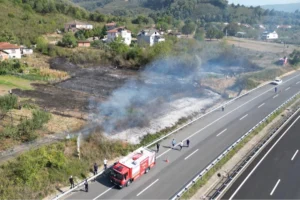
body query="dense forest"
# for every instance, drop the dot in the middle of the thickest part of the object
(197, 10)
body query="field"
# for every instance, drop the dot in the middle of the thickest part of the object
(9, 82)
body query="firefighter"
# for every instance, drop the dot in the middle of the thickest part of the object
(187, 142)
(71, 181)
(95, 169)
(180, 145)
(105, 163)
(86, 185)
(173, 143)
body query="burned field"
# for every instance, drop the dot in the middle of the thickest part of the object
(157, 96)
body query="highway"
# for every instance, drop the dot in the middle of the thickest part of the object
(209, 137)
(274, 174)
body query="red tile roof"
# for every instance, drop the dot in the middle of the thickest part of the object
(111, 24)
(6, 45)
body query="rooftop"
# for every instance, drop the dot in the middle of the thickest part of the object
(77, 22)
(6, 45)
(111, 24)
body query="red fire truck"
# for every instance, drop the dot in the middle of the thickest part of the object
(131, 167)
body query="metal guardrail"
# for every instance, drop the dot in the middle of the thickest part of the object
(222, 155)
(248, 159)
(163, 137)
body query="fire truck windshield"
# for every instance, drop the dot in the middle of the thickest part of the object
(117, 175)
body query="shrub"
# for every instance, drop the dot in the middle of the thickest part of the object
(8, 102)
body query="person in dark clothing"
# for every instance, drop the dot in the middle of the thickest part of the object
(95, 169)
(71, 181)
(223, 108)
(157, 147)
(86, 186)
(187, 142)
(275, 89)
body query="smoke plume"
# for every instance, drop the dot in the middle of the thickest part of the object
(145, 97)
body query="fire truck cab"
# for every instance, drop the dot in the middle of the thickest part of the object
(131, 167)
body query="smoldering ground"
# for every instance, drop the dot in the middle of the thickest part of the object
(144, 97)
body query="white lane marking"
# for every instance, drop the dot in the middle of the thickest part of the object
(244, 181)
(225, 116)
(287, 88)
(147, 188)
(294, 155)
(261, 105)
(244, 117)
(222, 132)
(275, 187)
(298, 82)
(103, 192)
(275, 96)
(191, 154)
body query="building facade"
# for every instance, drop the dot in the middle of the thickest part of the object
(77, 25)
(119, 32)
(149, 37)
(13, 51)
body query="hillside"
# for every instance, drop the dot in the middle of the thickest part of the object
(22, 22)
(283, 7)
(214, 10)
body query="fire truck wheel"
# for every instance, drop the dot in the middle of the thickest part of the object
(147, 170)
(128, 183)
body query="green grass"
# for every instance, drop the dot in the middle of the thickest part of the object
(193, 190)
(15, 82)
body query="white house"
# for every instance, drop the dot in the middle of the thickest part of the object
(26, 51)
(77, 25)
(119, 32)
(270, 35)
(150, 36)
(12, 50)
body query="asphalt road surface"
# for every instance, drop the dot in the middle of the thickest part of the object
(274, 174)
(209, 137)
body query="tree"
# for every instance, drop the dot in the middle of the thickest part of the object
(188, 28)
(42, 45)
(211, 33)
(69, 40)
(232, 29)
(200, 34)
(295, 57)
(219, 34)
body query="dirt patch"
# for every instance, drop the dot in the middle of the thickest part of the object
(261, 46)
(59, 124)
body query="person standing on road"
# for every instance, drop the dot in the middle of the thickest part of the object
(95, 169)
(71, 181)
(157, 147)
(105, 163)
(187, 142)
(223, 108)
(180, 145)
(86, 185)
(173, 143)
(275, 89)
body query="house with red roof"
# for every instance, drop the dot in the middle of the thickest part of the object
(13, 51)
(111, 26)
(76, 25)
(119, 32)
